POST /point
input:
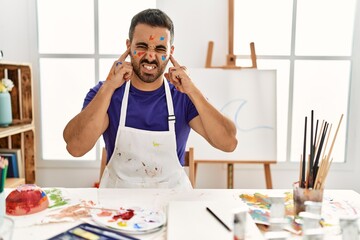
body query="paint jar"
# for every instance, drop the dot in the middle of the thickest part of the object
(349, 227)
(313, 234)
(277, 235)
(278, 224)
(2, 207)
(301, 195)
(239, 229)
(313, 207)
(277, 208)
(309, 220)
(6, 228)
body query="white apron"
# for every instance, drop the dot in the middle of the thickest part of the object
(145, 159)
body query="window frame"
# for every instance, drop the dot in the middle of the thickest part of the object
(96, 56)
(349, 162)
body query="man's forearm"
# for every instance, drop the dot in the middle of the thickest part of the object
(221, 131)
(82, 132)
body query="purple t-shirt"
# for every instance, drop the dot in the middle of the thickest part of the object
(147, 110)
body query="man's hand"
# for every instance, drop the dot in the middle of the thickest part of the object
(83, 131)
(120, 71)
(179, 77)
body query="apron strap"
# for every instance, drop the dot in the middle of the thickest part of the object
(124, 104)
(169, 102)
(171, 117)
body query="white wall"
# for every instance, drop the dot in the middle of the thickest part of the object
(15, 28)
(196, 23)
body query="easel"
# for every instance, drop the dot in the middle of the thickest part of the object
(231, 57)
(231, 64)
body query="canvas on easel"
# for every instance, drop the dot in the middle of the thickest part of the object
(248, 98)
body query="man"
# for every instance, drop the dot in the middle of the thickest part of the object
(145, 120)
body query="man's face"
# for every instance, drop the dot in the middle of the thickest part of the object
(150, 51)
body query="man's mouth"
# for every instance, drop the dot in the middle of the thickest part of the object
(148, 68)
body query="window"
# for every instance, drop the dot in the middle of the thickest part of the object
(309, 43)
(74, 54)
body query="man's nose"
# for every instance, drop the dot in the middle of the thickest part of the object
(151, 55)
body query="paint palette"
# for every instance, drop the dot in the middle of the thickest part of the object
(134, 220)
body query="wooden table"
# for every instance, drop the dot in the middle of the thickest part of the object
(186, 219)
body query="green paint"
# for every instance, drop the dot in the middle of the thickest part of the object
(55, 196)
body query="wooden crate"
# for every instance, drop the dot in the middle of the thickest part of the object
(21, 133)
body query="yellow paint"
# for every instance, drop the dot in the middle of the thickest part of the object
(85, 234)
(122, 224)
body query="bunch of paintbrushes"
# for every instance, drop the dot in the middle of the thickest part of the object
(3, 172)
(314, 167)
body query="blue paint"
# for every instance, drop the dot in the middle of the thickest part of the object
(163, 57)
(236, 117)
(137, 226)
(162, 38)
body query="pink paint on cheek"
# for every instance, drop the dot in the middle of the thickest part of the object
(140, 54)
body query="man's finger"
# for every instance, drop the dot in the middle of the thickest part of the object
(166, 75)
(174, 62)
(124, 55)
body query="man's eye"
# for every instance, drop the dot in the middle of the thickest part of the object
(161, 49)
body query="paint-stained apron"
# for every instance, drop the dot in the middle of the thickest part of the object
(145, 159)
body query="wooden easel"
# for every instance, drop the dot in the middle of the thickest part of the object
(231, 57)
(231, 64)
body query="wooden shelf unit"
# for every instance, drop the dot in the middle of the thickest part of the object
(21, 133)
(14, 182)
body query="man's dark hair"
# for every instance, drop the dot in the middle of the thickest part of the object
(154, 18)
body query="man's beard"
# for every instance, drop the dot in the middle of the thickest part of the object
(148, 78)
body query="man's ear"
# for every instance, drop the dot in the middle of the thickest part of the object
(172, 50)
(128, 43)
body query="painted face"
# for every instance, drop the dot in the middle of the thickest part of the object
(150, 51)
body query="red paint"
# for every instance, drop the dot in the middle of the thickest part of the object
(151, 37)
(125, 216)
(104, 214)
(140, 53)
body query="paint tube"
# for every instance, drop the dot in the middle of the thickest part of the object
(239, 224)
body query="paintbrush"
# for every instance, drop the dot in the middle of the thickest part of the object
(316, 163)
(311, 156)
(325, 165)
(302, 181)
(218, 219)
